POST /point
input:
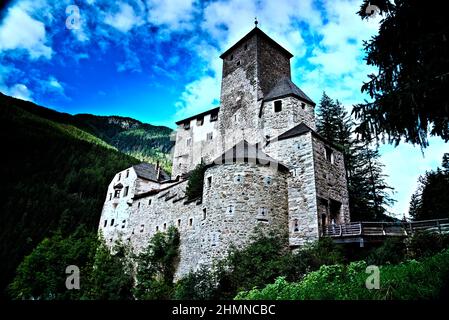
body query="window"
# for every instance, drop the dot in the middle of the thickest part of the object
(142, 227)
(125, 193)
(190, 222)
(329, 154)
(138, 205)
(246, 47)
(268, 181)
(230, 209)
(189, 141)
(238, 63)
(209, 182)
(117, 193)
(295, 225)
(199, 122)
(209, 136)
(278, 106)
(105, 223)
(119, 176)
(204, 214)
(112, 222)
(213, 117)
(157, 228)
(231, 57)
(179, 222)
(187, 125)
(110, 196)
(123, 224)
(149, 202)
(215, 238)
(238, 178)
(235, 117)
(127, 173)
(165, 226)
(262, 214)
(303, 105)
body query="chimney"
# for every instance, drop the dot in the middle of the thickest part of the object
(158, 171)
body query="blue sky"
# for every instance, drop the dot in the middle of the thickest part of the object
(158, 60)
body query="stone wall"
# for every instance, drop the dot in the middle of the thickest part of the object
(297, 153)
(331, 184)
(293, 113)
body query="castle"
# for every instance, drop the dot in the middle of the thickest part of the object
(267, 168)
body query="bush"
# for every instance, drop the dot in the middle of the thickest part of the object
(427, 279)
(194, 187)
(200, 285)
(425, 244)
(392, 251)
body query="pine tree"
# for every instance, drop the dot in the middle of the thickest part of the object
(368, 191)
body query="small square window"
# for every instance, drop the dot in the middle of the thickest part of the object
(187, 125)
(213, 117)
(199, 122)
(190, 222)
(209, 136)
(278, 106)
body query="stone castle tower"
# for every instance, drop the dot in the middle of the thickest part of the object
(267, 168)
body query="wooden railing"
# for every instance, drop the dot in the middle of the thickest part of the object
(385, 228)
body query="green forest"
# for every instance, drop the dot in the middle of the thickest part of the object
(55, 169)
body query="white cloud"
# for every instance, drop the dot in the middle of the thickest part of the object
(20, 31)
(124, 19)
(174, 14)
(199, 95)
(20, 91)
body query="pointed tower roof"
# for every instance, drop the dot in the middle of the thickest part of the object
(261, 34)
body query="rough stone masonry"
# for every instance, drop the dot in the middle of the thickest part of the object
(267, 168)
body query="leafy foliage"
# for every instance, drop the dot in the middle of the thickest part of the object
(111, 276)
(156, 266)
(42, 274)
(392, 251)
(54, 178)
(426, 279)
(409, 89)
(195, 184)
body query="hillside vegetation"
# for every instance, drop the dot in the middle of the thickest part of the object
(54, 177)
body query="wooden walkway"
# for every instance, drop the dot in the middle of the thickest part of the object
(362, 232)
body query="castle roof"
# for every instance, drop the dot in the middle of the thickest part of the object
(247, 153)
(301, 129)
(149, 172)
(263, 35)
(285, 87)
(199, 115)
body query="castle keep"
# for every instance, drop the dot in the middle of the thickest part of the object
(267, 168)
